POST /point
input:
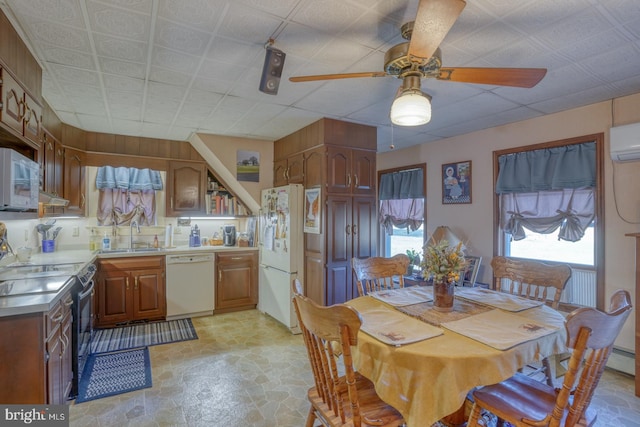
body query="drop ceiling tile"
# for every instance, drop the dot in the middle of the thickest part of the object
(203, 97)
(181, 38)
(162, 104)
(587, 47)
(200, 14)
(170, 77)
(331, 16)
(72, 89)
(179, 133)
(76, 75)
(155, 130)
(301, 40)
(489, 38)
(123, 49)
(242, 23)
(622, 10)
(231, 51)
(614, 65)
(59, 35)
(125, 98)
(94, 123)
(122, 68)
(69, 57)
(583, 24)
(212, 85)
(69, 118)
(539, 14)
(166, 90)
(471, 20)
(174, 60)
(279, 8)
(90, 107)
(572, 100)
(342, 54)
(129, 127)
(125, 111)
(211, 69)
(158, 116)
(66, 12)
(123, 83)
(118, 22)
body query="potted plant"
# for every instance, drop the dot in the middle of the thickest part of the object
(414, 260)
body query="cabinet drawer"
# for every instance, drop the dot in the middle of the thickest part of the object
(132, 263)
(59, 313)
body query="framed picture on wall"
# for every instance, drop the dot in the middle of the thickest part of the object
(456, 183)
(312, 211)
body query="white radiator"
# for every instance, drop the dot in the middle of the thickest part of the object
(581, 288)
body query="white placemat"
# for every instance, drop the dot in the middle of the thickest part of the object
(394, 328)
(501, 300)
(404, 296)
(499, 329)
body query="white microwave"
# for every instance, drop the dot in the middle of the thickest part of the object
(19, 181)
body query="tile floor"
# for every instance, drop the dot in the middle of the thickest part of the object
(246, 369)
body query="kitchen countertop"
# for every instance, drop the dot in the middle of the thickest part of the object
(34, 303)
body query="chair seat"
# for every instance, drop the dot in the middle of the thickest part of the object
(374, 411)
(522, 398)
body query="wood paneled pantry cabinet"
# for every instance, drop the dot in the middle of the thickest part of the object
(339, 158)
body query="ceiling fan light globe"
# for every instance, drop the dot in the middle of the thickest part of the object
(411, 109)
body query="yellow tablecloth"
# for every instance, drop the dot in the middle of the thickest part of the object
(429, 380)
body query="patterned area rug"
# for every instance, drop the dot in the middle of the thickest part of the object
(142, 335)
(115, 373)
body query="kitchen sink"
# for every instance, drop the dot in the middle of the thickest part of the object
(135, 250)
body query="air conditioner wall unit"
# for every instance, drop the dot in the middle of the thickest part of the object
(625, 142)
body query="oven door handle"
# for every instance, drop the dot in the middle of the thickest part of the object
(88, 291)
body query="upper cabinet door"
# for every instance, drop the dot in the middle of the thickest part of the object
(363, 166)
(186, 190)
(32, 120)
(280, 173)
(12, 111)
(339, 173)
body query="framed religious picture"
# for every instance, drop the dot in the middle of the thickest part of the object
(312, 212)
(456, 183)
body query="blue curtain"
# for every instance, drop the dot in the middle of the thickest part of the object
(558, 168)
(401, 197)
(402, 185)
(128, 178)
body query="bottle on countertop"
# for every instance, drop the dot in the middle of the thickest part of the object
(106, 242)
(155, 241)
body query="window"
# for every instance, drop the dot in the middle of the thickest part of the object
(538, 217)
(402, 198)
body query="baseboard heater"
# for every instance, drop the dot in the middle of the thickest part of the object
(622, 360)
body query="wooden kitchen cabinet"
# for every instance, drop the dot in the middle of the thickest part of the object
(289, 170)
(37, 363)
(236, 281)
(73, 181)
(59, 352)
(130, 289)
(340, 159)
(53, 164)
(20, 112)
(186, 188)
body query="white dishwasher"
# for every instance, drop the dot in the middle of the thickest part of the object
(190, 285)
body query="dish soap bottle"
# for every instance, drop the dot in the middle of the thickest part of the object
(106, 242)
(155, 241)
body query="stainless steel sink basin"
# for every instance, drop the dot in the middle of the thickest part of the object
(135, 250)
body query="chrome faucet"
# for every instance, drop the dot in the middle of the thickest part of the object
(131, 232)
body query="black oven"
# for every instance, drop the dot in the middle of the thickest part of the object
(83, 315)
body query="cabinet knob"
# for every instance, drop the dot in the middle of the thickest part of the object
(348, 230)
(135, 286)
(354, 228)
(219, 276)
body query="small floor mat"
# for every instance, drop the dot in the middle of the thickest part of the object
(142, 335)
(108, 374)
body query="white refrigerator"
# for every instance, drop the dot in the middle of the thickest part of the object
(281, 251)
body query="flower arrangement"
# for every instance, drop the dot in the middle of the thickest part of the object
(443, 263)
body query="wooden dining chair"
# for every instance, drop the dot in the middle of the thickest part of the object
(531, 279)
(378, 273)
(341, 396)
(536, 281)
(523, 401)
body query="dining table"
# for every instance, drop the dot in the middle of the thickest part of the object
(424, 361)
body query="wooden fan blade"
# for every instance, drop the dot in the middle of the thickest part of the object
(337, 76)
(517, 77)
(433, 21)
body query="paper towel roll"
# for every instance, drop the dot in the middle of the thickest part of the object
(168, 236)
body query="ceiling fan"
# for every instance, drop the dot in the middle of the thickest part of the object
(420, 57)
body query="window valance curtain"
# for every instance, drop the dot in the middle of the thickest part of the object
(569, 166)
(128, 178)
(571, 210)
(402, 185)
(543, 190)
(401, 197)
